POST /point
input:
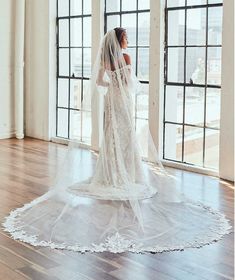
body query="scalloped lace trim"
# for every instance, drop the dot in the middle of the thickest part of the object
(116, 243)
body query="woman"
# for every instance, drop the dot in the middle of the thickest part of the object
(123, 205)
(119, 173)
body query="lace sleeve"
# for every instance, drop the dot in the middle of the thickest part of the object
(128, 66)
(100, 81)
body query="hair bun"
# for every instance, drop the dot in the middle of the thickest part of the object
(119, 33)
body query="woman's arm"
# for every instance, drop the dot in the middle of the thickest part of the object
(127, 58)
(100, 81)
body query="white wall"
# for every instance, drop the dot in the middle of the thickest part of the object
(97, 34)
(156, 79)
(227, 95)
(11, 68)
(37, 53)
(7, 122)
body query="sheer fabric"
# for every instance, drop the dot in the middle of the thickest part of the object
(124, 204)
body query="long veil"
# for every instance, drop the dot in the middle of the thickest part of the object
(120, 203)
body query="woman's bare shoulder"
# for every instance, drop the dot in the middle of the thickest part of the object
(127, 58)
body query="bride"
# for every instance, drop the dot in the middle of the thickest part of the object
(125, 204)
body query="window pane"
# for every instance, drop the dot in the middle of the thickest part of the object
(112, 5)
(214, 66)
(193, 145)
(213, 107)
(76, 62)
(175, 68)
(212, 149)
(112, 22)
(63, 88)
(128, 5)
(143, 4)
(129, 22)
(87, 62)
(75, 125)
(142, 133)
(62, 123)
(80, 126)
(63, 62)
(173, 142)
(142, 102)
(175, 3)
(215, 1)
(87, 32)
(174, 104)
(143, 64)
(86, 127)
(86, 95)
(194, 105)
(63, 8)
(76, 7)
(176, 26)
(75, 93)
(215, 16)
(87, 6)
(132, 53)
(143, 29)
(195, 65)
(196, 2)
(196, 26)
(76, 32)
(63, 33)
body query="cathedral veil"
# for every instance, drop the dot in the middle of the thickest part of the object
(121, 203)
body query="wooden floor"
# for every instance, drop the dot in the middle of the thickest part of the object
(27, 168)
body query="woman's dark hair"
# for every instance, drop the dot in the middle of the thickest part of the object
(120, 32)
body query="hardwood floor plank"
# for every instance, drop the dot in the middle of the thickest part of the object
(9, 274)
(9, 257)
(35, 274)
(25, 251)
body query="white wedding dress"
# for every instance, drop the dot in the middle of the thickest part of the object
(125, 204)
(119, 173)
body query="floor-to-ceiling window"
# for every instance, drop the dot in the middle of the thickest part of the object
(134, 16)
(193, 41)
(73, 109)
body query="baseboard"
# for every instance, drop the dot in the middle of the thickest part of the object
(190, 168)
(7, 135)
(64, 141)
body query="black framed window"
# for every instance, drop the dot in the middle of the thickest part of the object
(134, 16)
(73, 119)
(192, 81)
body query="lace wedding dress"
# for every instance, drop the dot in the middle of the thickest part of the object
(125, 204)
(119, 173)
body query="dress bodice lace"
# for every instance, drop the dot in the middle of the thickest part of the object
(119, 76)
